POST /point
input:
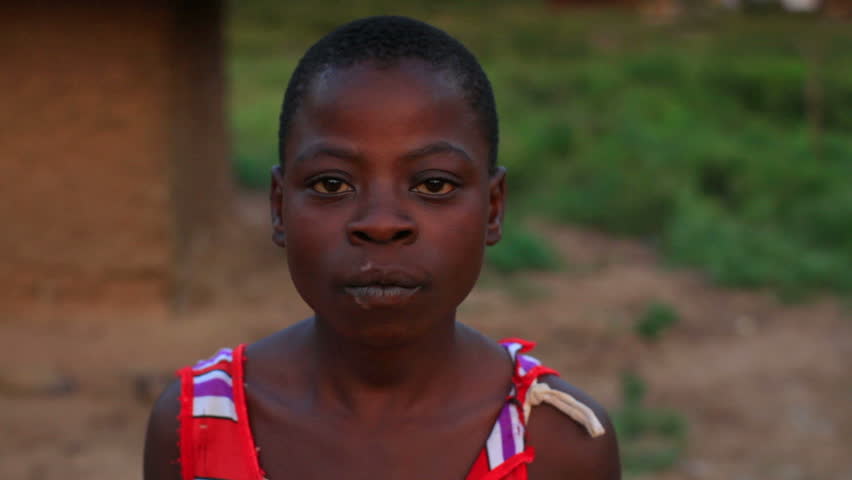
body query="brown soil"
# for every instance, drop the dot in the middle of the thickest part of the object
(765, 387)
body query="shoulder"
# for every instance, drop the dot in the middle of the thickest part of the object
(162, 453)
(564, 449)
(161, 439)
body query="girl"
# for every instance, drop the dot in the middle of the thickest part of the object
(386, 194)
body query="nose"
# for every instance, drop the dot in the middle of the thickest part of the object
(382, 224)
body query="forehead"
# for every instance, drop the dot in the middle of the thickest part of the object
(383, 110)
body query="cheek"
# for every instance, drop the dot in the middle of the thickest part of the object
(313, 241)
(458, 237)
(468, 224)
(468, 236)
(312, 228)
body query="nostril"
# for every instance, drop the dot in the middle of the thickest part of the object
(401, 235)
(368, 236)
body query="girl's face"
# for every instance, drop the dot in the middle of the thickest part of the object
(385, 203)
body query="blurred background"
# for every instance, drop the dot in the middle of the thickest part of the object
(679, 236)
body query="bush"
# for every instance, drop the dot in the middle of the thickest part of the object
(742, 254)
(658, 318)
(520, 249)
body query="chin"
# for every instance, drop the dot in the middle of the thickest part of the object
(382, 327)
(385, 340)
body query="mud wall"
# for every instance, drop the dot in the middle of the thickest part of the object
(108, 114)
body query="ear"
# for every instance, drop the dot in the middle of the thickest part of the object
(496, 206)
(276, 206)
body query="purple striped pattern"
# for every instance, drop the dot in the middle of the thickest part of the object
(523, 363)
(506, 438)
(526, 363)
(512, 348)
(213, 395)
(213, 383)
(214, 387)
(222, 354)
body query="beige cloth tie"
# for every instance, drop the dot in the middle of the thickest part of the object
(541, 392)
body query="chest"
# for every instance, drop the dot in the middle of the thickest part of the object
(320, 445)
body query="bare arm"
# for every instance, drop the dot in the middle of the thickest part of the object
(161, 440)
(564, 449)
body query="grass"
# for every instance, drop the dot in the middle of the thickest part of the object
(658, 318)
(723, 139)
(651, 440)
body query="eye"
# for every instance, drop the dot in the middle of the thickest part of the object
(434, 186)
(330, 186)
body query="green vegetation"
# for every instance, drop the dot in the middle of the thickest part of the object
(521, 249)
(651, 439)
(723, 140)
(658, 318)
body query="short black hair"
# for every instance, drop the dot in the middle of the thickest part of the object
(387, 40)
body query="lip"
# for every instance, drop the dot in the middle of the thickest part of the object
(370, 296)
(383, 287)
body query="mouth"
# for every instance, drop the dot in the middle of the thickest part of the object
(369, 296)
(383, 288)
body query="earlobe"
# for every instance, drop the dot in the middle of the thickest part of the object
(279, 236)
(276, 206)
(496, 207)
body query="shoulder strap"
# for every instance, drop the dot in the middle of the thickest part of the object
(215, 437)
(506, 444)
(527, 368)
(531, 392)
(539, 393)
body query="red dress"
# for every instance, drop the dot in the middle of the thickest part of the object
(216, 441)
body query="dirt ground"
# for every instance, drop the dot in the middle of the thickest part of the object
(765, 387)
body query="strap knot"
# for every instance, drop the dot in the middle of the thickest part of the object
(539, 393)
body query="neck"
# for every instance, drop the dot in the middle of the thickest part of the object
(367, 380)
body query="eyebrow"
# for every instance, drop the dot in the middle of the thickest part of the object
(329, 150)
(349, 154)
(437, 148)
